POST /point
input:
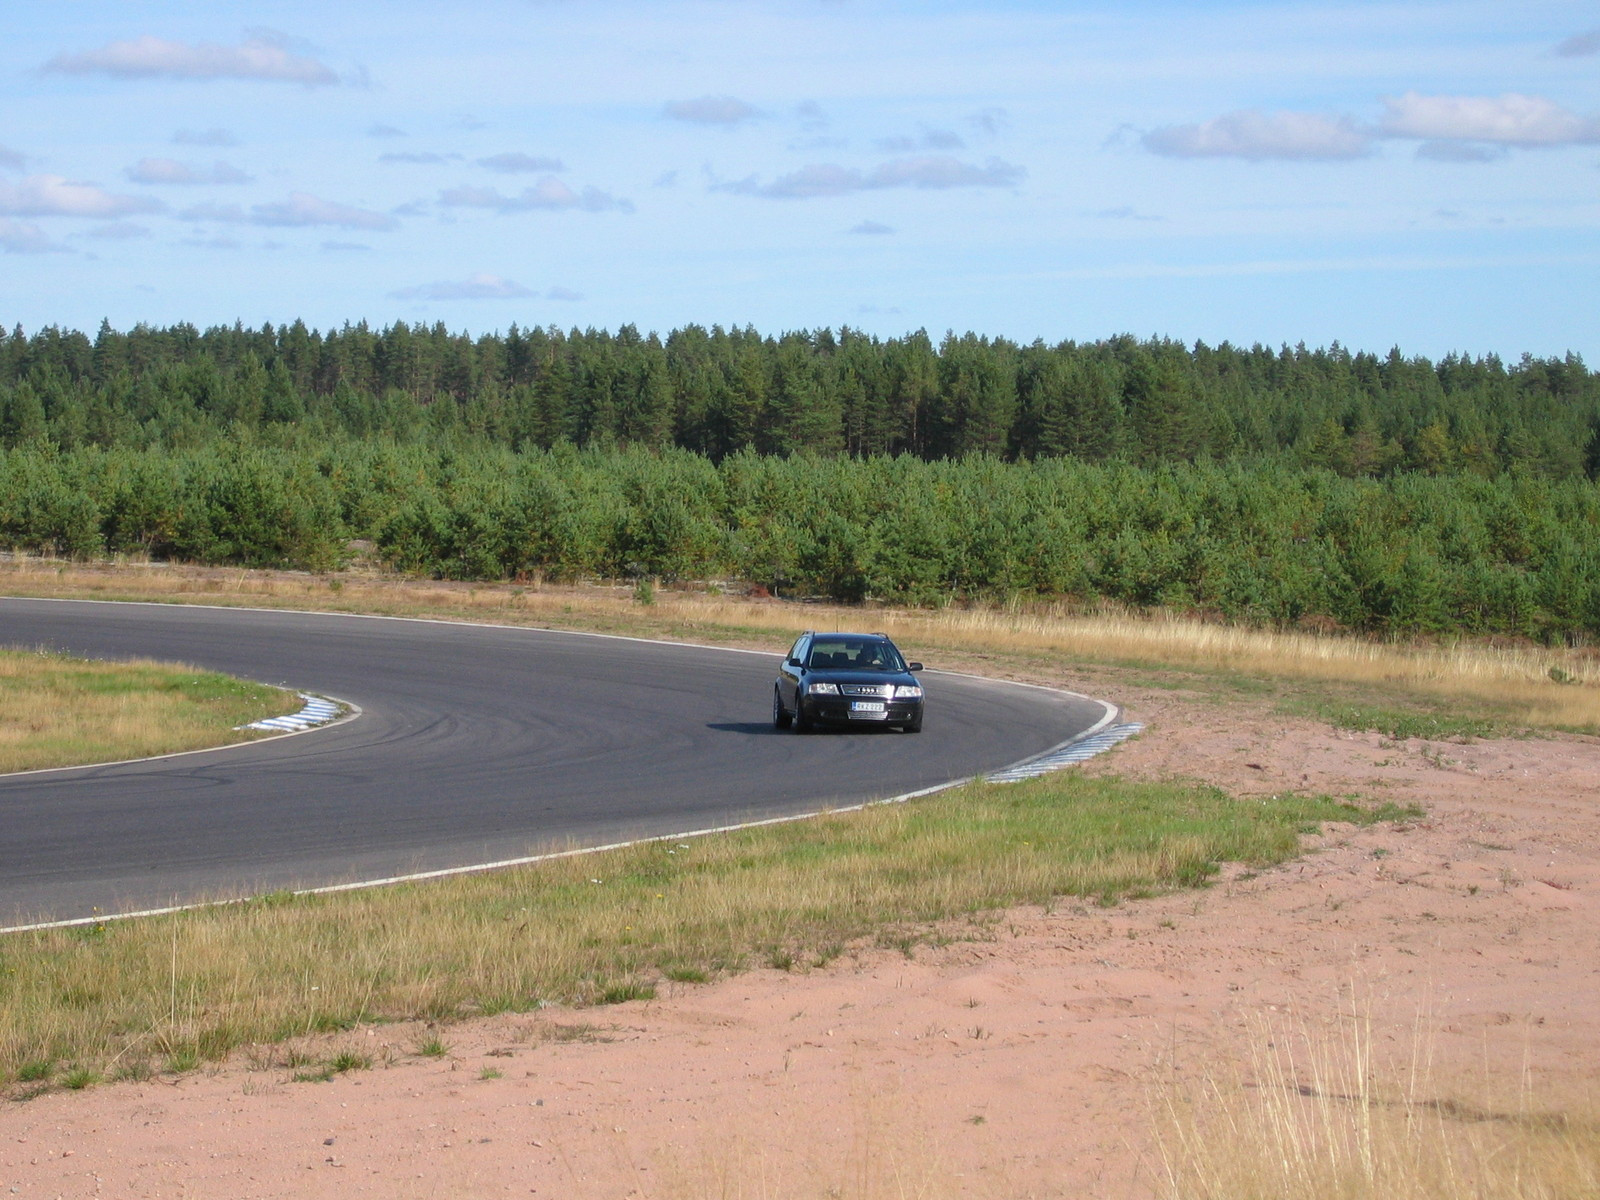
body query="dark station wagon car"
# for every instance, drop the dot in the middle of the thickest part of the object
(846, 678)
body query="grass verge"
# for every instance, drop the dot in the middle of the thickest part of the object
(126, 997)
(57, 711)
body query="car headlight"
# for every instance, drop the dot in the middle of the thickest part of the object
(822, 689)
(908, 691)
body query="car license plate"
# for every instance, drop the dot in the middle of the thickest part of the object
(868, 707)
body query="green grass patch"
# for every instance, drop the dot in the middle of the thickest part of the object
(59, 711)
(1402, 722)
(607, 928)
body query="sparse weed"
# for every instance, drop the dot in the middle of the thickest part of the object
(183, 1060)
(781, 958)
(136, 1070)
(350, 1060)
(432, 1047)
(621, 993)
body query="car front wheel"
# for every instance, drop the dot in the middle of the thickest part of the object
(780, 715)
(802, 723)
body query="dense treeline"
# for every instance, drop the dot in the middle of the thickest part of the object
(719, 392)
(1517, 554)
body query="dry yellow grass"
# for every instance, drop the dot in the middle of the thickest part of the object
(151, 993)
(1317, 1113)
(1519, 682)
(57, 711)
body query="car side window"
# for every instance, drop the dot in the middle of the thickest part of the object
(797, 651)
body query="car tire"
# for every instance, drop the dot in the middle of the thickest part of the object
(802, 723)
(914, 725)
(780, 715)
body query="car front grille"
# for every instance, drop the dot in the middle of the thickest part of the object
(866, 689)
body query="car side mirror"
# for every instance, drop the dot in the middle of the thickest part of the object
(913, 666)
(793, 662)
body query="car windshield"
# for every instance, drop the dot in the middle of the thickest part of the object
(854, 654)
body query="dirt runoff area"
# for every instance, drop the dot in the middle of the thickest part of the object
(1019, 1066)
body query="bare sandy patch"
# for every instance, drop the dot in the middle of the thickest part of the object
(1020, 1066)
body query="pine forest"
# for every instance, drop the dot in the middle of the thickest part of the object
(1389, 495)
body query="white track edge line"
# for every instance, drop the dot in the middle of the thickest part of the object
(1109, 714)
(352, 711)
(501, 864)
(549, 856)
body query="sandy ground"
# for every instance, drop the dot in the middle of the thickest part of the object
(1019, 1066)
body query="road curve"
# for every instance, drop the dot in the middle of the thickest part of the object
(475, 744)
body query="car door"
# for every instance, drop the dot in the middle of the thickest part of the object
(789, 673)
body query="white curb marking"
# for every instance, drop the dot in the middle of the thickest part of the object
(316, 712)
(1077, 752)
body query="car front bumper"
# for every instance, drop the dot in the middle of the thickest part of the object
(837, 710)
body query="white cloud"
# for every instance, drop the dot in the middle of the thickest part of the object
(21, 237)
(512, 163)
(548, 195)
(482, 286)
(928, 139)
(944, 173)
(300, 209)
(1255, 135)
(991, 122)
(1125, 212)
(425, 158)
(712, 110)
(118, 231)
(10, 159)
(210, 211)
(170, 170)
(873, 229)
(263, 55)
(1509, 120)
(204, 137)
(819, 141)
(55, 196)
(1580, 45)
(811, 116)
(1460, 152)
(830, 179)
(384, 131)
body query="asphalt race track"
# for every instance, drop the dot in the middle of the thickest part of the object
(474, 744)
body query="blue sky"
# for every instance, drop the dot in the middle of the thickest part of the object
(1426, 175)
